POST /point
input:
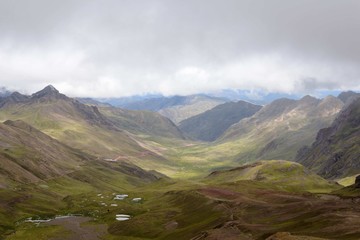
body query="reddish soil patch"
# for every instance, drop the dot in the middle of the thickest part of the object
(219, 193)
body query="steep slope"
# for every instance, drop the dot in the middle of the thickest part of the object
(142, 122)
(177, 108)
(28, 155)
(71, 122)
(335, 153)
(281, 128)
(208, 126)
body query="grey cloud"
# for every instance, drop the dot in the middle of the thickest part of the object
(312, 84)
(136, 46)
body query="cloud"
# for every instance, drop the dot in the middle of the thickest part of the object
(120, 48)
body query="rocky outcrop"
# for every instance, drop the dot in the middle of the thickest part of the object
(357, 182)
(335, 152)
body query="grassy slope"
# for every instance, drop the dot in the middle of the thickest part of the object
(66, 194)
(28, 155)
(280, 129)
(142, 122)
(284, 175)
(181, 209)
(61, 120)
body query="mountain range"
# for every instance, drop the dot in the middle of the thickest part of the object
(176, 108)
(222, 170)
(282, 127)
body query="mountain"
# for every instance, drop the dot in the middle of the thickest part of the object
(136, 121)
(335, 152)
(348, 97)
(177, 108)
(256, 97)
(4, 92)
(122, 102)
(209, 125)
(142, 122)
(281, 128)
(71, 122)
(14, 97)
(93, 102)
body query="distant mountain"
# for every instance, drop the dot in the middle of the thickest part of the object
(348, 97)
(209, 125)
(4, 92)
(177, 108)
(142, 122)
(282, 127)
(136, 121)
(14, 97)
(256, 97)
(263, 97)
(93, 102)
(122, 102)
(336, 152)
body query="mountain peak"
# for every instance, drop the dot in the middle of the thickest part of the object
(48, 92)
(308, 99)
(50, 89)
(17, 97)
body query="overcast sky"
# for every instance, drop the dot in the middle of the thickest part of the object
(118, 48)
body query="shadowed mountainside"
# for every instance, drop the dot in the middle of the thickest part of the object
(208, 126)
(335, 153)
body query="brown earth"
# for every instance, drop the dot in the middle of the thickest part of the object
(273, 215)
(79, 231)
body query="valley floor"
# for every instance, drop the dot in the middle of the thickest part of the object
(182, 209)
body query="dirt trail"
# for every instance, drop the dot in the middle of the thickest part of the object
(78, 232)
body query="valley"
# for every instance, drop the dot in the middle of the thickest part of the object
(75, 169)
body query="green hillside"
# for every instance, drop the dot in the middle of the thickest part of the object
(281, 128)
(283, 175)
(28, 155)
(142, 122)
